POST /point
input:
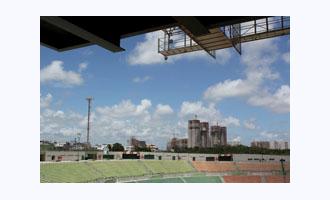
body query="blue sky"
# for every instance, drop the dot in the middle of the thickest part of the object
(138, 93)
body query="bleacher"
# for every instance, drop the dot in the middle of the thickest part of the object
(73, 172)
(168, 166)
(214, 166)
(260, 167)
(277, 179)
(93, 171)
(68, 172)
(242, 179)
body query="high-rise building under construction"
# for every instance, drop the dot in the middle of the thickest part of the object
(198, 133)
(204, 134)
(218, 136)
(194, 133)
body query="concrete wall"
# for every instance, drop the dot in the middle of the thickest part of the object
(53, 156)
(74, 155)
(258, 157)
(202, 157)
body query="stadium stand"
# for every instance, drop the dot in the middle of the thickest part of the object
(67, 172)
(277, 179)
(245, 166)
(242, 179)
(168, 166)
(214, 166)
(158, 171)
(73, 172)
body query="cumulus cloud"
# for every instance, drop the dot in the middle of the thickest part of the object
(57, 122)
(260, 53)
(230, 121)
(82, 66)
(206, 113)
(286, 57)
(250, 124)
(237, 139)
(45, 101)
(163, 110)
(126, 109)
(141, 79)
(228, 88)
(55, 73)
(258, 58)
(274, 135)
(146, 52)
(278, 102)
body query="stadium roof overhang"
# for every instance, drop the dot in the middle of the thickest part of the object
(66, 33)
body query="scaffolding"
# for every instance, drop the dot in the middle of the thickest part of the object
(179, 40)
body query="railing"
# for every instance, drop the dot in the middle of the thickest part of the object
(174, 38)
(264, 25)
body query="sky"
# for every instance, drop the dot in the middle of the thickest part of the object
(138, 93)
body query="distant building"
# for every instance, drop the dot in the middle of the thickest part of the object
(204, 134)
(218, 136)
(198, 134)
(102, 147)
(194, 133)
(279, 145)
(176, 143)
(152, 147)
(261, 144)
(137, 143)
(223, 135)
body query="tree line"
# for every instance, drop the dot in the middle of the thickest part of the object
(239, 149)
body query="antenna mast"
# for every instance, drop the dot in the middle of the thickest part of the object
(89, 99)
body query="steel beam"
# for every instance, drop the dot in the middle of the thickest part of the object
(193, 25)
(112, 45)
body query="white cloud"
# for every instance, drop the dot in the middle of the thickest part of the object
(230, 121)
(45, 101)
(57, 122)
(236, 139)
(82, 66)
(286, 57)
(258, 58)
(229, 88)
(87, 52)
(260, 53)
(205, 113)
(146, 52)
(126, 109)
(163, 110)
(223, 56)
(274, 135)
(55, 73)
(250, 124)
(278, 102)
(141, 79)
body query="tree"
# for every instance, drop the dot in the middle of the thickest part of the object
(109, 147)
(117, 147)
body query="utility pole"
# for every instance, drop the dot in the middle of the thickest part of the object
(89, 99)
(77, 146)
